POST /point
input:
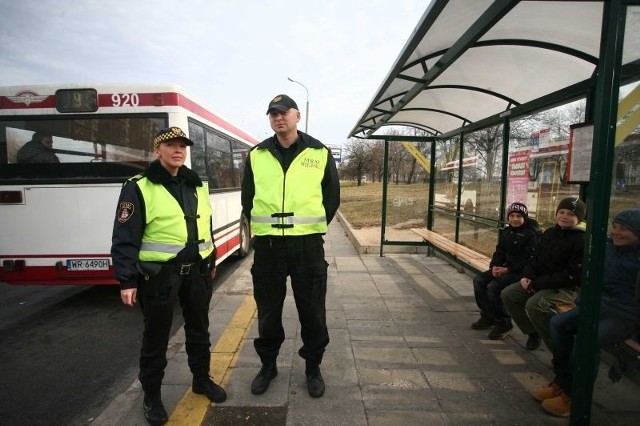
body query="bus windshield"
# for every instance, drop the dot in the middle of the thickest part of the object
(92, 148)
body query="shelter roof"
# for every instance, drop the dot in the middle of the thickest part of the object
(470, 62)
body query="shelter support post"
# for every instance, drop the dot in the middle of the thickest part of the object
(598, 200)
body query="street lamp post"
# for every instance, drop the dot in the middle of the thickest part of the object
(306, 113)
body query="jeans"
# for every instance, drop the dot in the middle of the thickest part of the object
(612, 329)
(487, 289)
(532, 311)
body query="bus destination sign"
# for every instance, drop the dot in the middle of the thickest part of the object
(77, 100)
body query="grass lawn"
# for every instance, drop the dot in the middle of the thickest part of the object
(362, 205)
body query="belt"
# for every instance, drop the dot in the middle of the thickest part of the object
(183, 268)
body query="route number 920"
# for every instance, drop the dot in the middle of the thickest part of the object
(125, 99)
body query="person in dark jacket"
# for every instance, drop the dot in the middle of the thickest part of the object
(515, 246)
(290, 192)
(38, 150)
(552, 275)
(163, 250)
(619, 311)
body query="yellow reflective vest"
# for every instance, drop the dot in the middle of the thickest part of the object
(291, 203)
(165, 231)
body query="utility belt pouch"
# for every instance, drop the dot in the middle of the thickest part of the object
(149, 269)
(208, 263)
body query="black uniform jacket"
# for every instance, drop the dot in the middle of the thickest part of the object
(128, 229)
(557, 261)
(515, 246)
(330, 181)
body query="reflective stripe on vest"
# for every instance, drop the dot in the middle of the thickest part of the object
(165, 232)
(288, 204)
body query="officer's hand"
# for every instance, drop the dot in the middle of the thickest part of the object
(128, 296)
(213, 272)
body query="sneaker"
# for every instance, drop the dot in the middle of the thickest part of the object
(560, 406)
(533, 342)
(206, 386)
(315, 382)
(154, 410)
(261, 382)
(483, 323)
(546, 392)
(500, 331)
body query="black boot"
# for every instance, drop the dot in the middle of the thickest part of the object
(533, 342)
(261, 382)
(205, 385)
(154, 410)
(315, 383)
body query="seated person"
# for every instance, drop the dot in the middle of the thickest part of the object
(552, 275)
(38, 150)
(515, 245)
(618, 311)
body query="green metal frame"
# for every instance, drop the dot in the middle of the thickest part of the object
(602, 98)
(598, 200)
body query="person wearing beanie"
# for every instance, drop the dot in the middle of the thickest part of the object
(552, 275)
(619, 311)
(575, 205)
(515, 245)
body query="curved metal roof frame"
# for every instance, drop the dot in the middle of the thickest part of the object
(468, 63)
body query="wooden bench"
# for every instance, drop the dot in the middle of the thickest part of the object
(458, 252)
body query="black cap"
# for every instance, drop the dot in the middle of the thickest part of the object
(169, 133)
(282, 103)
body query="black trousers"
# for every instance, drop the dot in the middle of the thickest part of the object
(301, 258)
(157, 296)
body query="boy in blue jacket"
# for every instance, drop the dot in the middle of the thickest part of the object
(618, 311)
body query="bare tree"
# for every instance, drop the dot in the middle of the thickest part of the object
(376, 160)
(486, 144)
(356, 159)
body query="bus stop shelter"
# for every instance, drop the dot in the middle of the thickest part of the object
(470, 65)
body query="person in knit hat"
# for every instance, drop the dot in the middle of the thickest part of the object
(552, 275)
(619, 311)
(515, 245)
(575, 205)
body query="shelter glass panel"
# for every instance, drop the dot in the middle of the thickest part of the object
(481, 180)
(538, 149)
(446, 188)
(407, 191)
(625, 181)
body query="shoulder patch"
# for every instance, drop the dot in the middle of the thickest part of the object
(125, 211)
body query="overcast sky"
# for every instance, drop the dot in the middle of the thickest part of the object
(233, 55)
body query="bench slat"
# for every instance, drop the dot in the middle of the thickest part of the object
(460, 252)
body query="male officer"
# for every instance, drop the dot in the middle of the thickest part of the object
(162, 249)
(291, 192)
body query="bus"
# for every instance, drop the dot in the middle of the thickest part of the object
(56, 218)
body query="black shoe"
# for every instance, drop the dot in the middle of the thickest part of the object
(261, 382)
(500, 331)
(533, 342)
(315, 383)
(154, 410)
(206, 386)
(483, 323)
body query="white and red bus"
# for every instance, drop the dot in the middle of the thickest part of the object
(56, 219)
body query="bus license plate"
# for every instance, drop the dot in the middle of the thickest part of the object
(88, 264)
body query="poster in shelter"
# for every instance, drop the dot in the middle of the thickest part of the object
(518, 177)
